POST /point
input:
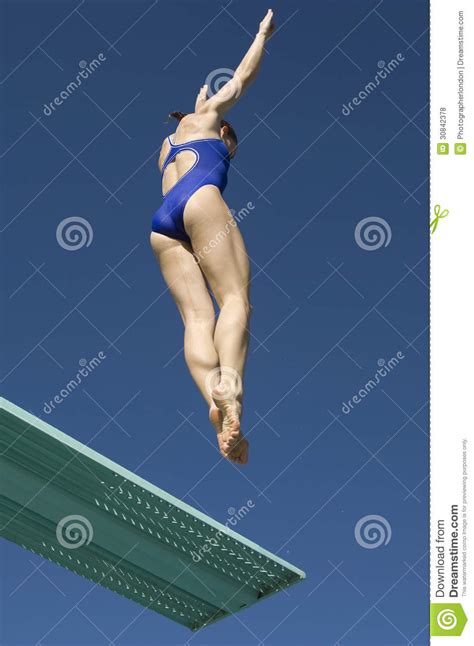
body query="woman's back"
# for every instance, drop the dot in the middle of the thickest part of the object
(192, 127)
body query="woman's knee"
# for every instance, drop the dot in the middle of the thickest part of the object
(237, 300)
(196, 317)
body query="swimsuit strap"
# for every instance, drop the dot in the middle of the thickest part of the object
(173, 151)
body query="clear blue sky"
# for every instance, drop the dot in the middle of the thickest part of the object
(326, 310)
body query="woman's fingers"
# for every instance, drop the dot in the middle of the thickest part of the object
(201, 97)
(267, 26)
(266, 20)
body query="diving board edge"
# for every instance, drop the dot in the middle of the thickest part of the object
(102, 460)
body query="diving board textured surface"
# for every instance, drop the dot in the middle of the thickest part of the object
(73, 506)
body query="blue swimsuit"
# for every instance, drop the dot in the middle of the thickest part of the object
(211, 166)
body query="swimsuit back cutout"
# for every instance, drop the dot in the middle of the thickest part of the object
(212, 157)
(209, 168)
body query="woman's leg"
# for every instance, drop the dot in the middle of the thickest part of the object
(188, 288)
(219, 247)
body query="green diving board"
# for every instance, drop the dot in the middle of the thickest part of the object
(73, 506)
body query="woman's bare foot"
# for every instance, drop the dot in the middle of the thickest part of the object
(240, 451)
(215, 417)
(224, 437)
(225, 417)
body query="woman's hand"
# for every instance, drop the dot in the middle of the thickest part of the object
(246, 72)
(267, 26)
(201, 98)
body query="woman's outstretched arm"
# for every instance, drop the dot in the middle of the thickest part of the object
(245, 73)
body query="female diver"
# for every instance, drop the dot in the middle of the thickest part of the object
(199, 247)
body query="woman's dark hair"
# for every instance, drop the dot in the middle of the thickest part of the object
(232, 133)
(177, 115)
